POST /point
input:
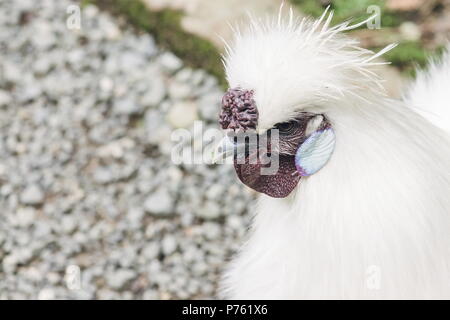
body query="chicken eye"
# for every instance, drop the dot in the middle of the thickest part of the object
(286, 127)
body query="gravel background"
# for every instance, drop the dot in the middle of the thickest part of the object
(86, 179)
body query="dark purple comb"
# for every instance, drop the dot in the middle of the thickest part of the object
(238, 110)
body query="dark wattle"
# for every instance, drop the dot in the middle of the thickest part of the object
(278, 185)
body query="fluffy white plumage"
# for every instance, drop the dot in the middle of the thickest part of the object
(430, 93)
(375, 221)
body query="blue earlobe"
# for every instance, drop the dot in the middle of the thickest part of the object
(315, 151)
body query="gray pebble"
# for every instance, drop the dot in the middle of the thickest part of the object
(159, 203)
(119, 278)
(209, 210)
(126, 106)
(32, 195)
(154, 94)
(170, 62)
(25, 216)
(5, 98)
(151, 251)
(169, 245)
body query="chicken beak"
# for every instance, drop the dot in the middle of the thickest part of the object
(224, 149)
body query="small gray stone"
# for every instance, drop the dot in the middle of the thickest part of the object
(146, 45)
(43, 35)
(182, 114)
(110, 29)
(103, 175)
(11, 72)
(151, 251)
(5, 98)
(184, 75)
(19, 256)
(169, 245)
(46, 294)
(131, 60)
(10, 263)
(32, 195)
(170, 62)
(30, 92)
(119, 278)
(135, 215)
(106, 84)
(209, 210)
(75, 57)
(126, 106)
(179, 91)
(155, 94)
(215, 192)
(42, 66)
(68, 224)
(150, 295)
(211, 231)
(159, 203)
(209, 105)
(25, 216)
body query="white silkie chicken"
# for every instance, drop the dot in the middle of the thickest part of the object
(374, 221)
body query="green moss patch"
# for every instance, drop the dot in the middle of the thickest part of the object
(406, 56)
(348, 9)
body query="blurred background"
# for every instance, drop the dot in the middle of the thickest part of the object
(91, 204)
